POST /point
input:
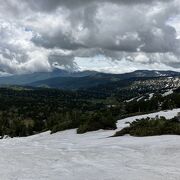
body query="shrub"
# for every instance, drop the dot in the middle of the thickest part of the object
(62, 126)
(151, 127)
(97, 121)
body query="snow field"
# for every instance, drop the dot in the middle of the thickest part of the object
(92, 156)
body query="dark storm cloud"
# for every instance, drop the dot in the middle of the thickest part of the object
(49, 5)
(65, 61)
(121, 32)
(57, 40)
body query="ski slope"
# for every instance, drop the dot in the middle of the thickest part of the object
(91, 156)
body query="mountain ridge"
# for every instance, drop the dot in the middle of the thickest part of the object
(64, 79)
(97, 79)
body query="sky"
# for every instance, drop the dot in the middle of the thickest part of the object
(114, 36)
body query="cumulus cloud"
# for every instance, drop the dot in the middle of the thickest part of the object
(38, 35)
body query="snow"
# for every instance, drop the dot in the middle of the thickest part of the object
(151, 96)
(91, 156)
(139, 99)
(168, 114)
(168, 93)
(131, 99)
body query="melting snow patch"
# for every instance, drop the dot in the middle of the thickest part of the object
(167, 93)
(140, 98)
(131, 99)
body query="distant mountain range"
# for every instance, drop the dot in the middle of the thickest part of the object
(74, 80)
(24, 79)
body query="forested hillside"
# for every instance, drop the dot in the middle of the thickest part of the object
(26, 111)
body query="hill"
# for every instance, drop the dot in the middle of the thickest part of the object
(23, 79)
(59, 78)
(98, 79)
(92, 155)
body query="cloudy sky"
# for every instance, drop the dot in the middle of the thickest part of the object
(105, 35)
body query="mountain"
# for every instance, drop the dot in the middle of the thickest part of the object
(72, 82)
(153, 73)
(64, 79)
(38, 76)
(100, 79)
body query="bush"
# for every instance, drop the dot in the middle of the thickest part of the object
(63, 121)
(97, 121)
(151, 127)
(62, 126)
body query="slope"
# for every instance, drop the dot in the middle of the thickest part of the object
(91, 156)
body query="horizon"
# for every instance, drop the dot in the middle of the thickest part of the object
(76, 71)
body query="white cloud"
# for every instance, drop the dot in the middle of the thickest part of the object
(142, 34)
